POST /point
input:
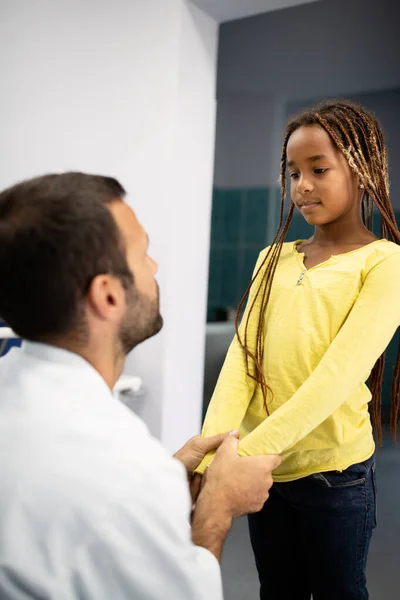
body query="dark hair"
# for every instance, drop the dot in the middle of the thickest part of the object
(56, 235)
(358, 135)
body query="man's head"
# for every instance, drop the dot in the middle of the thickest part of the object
(74, 263)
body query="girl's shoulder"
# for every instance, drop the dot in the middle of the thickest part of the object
(388, 247)
(381, 254)
(287, 248)
(380, 250)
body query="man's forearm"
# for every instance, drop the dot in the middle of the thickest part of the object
(210, 523)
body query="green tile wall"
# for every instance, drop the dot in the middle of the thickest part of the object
(238, 234)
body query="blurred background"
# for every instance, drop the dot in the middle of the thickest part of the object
(186, 102)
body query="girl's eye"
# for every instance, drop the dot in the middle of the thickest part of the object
(316, 171)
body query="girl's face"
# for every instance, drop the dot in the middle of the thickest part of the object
(322, 186)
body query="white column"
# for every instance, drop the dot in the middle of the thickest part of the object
(126, 89)
(188, 227)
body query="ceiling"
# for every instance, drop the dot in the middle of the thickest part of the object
(229, 10)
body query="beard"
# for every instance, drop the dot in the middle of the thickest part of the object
(142, 319)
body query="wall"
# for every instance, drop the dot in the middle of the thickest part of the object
(127, 89)
(248, 140)
(329, 47)
(245, 200)
(228, 10)
(186, 230)
(238, 232)
(250, 131)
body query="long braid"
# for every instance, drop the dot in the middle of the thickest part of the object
(360, 167)
(359, 137)
(264, 288)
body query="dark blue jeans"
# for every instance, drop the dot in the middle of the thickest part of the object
(312, 537)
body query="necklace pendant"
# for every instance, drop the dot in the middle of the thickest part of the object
(300, 279)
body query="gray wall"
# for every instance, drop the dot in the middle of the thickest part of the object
(273, 64)
(250, 131)
(324, 48)
(248, 140)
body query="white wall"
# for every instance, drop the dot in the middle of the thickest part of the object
(108, 88)
(188, 219)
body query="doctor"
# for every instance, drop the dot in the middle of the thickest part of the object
(91, 505)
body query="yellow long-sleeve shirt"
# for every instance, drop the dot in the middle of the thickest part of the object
(325, 328)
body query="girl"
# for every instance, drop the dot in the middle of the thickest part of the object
(320, 315)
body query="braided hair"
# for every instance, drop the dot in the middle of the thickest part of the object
(358, 135)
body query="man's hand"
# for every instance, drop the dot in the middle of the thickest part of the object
(196, 483)
(240, 483)
(232, 486)
(197, 447)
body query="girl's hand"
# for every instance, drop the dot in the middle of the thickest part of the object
(197, 447)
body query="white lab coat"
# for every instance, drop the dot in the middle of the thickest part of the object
(91, 506)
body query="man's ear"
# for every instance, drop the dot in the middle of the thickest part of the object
(106, 298)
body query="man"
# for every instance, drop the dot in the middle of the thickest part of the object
(91, 506)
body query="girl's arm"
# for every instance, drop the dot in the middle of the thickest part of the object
(234, 388)
(348, 361)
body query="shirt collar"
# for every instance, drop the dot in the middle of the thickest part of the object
(61, 356)
(53, 354)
